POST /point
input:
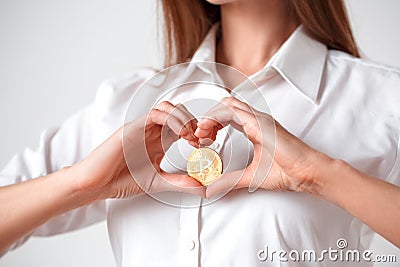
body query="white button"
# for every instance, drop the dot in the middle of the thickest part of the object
(191, 244)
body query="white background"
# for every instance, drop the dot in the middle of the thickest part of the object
(54, 54)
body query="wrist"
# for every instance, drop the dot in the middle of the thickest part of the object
(321, 167)
(326, 176)
(78, 194)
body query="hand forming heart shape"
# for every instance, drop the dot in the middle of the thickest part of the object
(280, 163)
(108, 173)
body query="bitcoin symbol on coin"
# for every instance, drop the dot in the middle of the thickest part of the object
(204, 165)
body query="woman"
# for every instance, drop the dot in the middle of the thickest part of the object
(331, 143)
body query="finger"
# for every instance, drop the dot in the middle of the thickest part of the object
(266, 121)
(169, 108)
(186, 117)
(181, 113)
(208, 136)
(214, 120)
(209, 116)
(189, 117)
(175, 124)
(180, 183)
(195, 142)
(253, 178)
(204, 129)
(207, 141)
(221, 114)
(190, 122)
(241, 120)
(227, 182)
(163, 118)
(234, 102)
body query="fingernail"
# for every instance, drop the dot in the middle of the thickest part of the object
(205, 141)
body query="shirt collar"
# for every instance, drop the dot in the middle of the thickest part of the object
(300, 60)
(206, 50)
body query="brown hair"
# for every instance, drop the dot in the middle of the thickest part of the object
(188, 21)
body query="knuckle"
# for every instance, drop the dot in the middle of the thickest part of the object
(153, 112)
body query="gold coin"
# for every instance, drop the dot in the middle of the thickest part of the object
(204, 165)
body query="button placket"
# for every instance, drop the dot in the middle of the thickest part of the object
(189, 231)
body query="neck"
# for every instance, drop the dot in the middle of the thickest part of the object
(252, 31)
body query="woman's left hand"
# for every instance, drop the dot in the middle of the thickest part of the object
(297, 167)
(292, 160)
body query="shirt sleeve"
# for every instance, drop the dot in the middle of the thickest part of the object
(392, 100)
(71, 142)
(394, 176)
(58, 147)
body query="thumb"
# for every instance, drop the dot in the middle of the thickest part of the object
(180, 183)
(226, 183)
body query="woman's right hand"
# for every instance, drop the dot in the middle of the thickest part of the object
(104, 173)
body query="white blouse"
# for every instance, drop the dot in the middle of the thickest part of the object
(346, 107)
